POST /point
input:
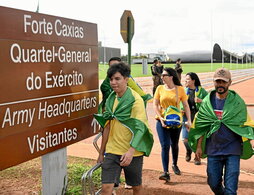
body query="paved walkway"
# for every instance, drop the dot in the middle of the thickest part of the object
(245, 89)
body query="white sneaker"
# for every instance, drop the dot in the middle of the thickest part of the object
(114, 192)
(127, 186)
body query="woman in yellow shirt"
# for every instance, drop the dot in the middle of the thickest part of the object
(169, 94)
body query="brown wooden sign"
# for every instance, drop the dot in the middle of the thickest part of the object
(24, 146)
(49, 84)
(23, 25)
(45, 69)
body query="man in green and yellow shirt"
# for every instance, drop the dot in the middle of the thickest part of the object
(126, 136)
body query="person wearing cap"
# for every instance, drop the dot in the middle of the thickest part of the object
(223, 132)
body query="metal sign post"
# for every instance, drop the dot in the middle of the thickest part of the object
(130, 35)
(127, 30)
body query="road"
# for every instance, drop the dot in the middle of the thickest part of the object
(245, 89)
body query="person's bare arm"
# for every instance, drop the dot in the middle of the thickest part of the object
(199, 148)
(252, 143)
(104, 141)
(198, 100)
(187, 113)
(127, 157)
(157, 109)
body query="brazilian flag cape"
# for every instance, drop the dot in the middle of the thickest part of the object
(142, 138)
(107, 90)
(235, 117)
(200, 92)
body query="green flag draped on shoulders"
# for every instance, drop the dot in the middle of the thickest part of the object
(107, 90)
(235, 117)
(200, 93)
(142, 138)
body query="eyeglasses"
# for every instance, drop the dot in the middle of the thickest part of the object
(164, 75)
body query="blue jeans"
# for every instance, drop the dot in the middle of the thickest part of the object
(231, 165)
(168, 137)
(185, 133)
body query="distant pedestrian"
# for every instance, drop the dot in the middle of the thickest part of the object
(195, 95)
(169, 94)
(222, 131)
(178, 68)
(156, 70)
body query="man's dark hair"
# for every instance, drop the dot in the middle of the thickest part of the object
(172, 72)
(179, 70)
(194, 77)
(155, 61)
(178, 60)
(114, 59)
(120, 67)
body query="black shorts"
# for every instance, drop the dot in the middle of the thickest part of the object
(111, 170)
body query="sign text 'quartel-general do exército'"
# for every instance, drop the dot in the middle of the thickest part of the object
(44, 55)
(54, 81)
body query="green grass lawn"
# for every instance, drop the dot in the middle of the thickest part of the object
(136, 69)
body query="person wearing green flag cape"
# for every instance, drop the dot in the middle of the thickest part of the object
(106, 88)
(126, 137)
(222, 131)
(195, 93)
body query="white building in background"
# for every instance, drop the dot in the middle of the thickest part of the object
(218, 55)
(150, 57)
(160, 56)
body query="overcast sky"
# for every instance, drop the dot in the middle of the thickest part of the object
(170, 26)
